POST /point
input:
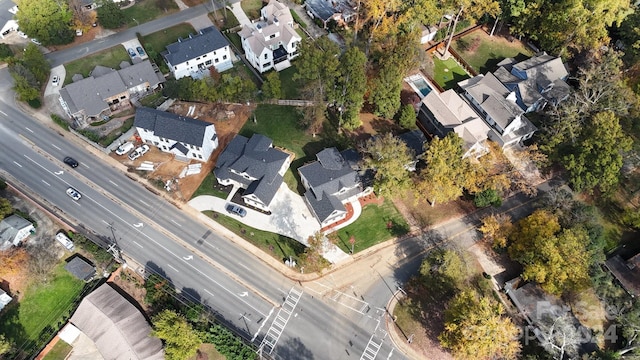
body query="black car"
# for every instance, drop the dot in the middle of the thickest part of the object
(71, 162)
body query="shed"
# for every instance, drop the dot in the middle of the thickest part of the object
(81, 268)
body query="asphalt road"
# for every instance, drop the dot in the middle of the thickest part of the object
(208, 267)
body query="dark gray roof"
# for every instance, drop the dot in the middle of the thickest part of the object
(415, 141)
(117, 327)
(320, 8)
(81, 268)
(206, 41)
(257, 158)
(329, 174)
(171, 126)
(325, 206)
(183, 150)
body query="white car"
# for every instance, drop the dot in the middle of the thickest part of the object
(35, 41)
(56, 80)
(143, 149)
(134, 155)
(124, 148)
(22, 35)
(78, 32)
(74, 194)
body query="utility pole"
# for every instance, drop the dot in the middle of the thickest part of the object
(114, 249)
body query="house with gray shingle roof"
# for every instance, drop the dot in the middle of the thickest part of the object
(537, 81)
(340, 11)
(195, 55)
(498, 108)
(331, 181)
(13, 230)
(447, 112)
(107, 90)
(254, 165)
(182, 136)
(272, 41)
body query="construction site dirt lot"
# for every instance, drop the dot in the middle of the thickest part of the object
(228, 120)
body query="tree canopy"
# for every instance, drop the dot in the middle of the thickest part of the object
(180, 339)
(110, 15)
(272, 86)
(49, 21)
(475, 328)
(389, 157)
(596, 160)
(447, 172)
(555, 258)
(347, 95)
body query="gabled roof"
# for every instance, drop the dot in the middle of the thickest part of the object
(81, 268)
(540, 76)
(329, 174)
(89, 94)
(326, 9)
(171, 126)
(277, 20)
(324, 206)
(10, 226)
(257, 158)
(492, 95)
(5, 14)
(116, 326)
(205, 41)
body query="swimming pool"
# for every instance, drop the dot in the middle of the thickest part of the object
(419, 84)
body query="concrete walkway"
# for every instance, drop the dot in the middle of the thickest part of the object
(312, 29)
(236, 9)
(290, 217)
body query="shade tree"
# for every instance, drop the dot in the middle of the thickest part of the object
(49, 21)
(389, 157)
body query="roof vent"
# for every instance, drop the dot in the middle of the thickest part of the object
(259, 28)
(275, 20)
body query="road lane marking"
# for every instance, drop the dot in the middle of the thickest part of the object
(208, 292)
(244, 266)
(29, 130)
(85, 165)
(56, 147)
(173, 221)
(46, 183)
(188, 264)
(135, 242)
(3, 113)
(116, 185)
(17, 164)
(169, 265)
(142, 201)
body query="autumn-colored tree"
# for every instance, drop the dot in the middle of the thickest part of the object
(475, 328)
(5, 345)
(389, 157)
(312, 259)
(447, 173)
(82, 18)
(496, 228)
(557, 260)
(49, 21)
(181, 341)
(12, 261)
(5, 208)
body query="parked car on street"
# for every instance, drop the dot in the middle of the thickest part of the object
(235, 209)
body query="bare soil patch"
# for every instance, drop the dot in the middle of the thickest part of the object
(131, 283)
(228, 120)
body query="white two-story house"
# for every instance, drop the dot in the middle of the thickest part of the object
(195, 55)
(184, 137)
(498, 108)
(254, 165)
(271, 41)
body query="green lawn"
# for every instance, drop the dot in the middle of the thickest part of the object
(219, 18)
(278, 246)
(43, 309)
(484, 52)
(252, 8)
(376, 224)
(207, 187)
(159, 40)
(59, 352)
(111, 57)
(147, 10)
(290, 88)
(448, 73)
(234, 38)
(297, 19)
(281, 124)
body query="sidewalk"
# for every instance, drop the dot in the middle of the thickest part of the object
(237, 11)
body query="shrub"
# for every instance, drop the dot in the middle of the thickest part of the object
(60, 121)
(486, 198)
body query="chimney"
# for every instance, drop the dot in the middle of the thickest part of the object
(275, 20)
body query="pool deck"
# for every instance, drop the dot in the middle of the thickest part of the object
(417, 77)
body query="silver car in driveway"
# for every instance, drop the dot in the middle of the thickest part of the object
(235, 209)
